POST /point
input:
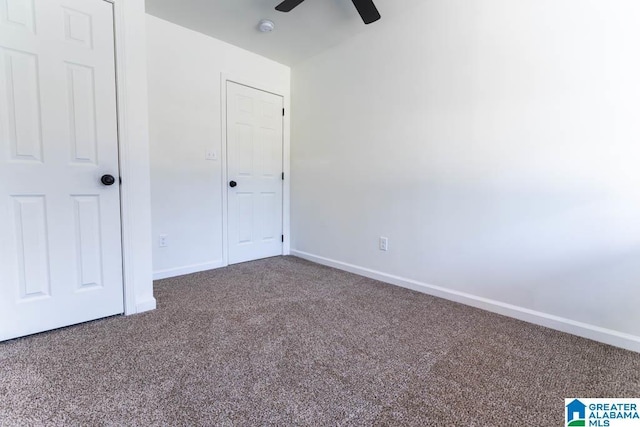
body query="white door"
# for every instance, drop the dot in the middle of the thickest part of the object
(254, 165)
(60, 244)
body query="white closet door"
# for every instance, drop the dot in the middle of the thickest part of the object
(60, 241)
(254, 165)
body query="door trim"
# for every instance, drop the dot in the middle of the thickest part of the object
(133, 145)
(286, 159)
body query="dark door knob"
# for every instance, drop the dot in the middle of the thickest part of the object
(108, 179)
(233, 184)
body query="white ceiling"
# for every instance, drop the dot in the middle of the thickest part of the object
(312, 27)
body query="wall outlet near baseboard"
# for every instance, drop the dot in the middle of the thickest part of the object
(163, 241)
(383, 244)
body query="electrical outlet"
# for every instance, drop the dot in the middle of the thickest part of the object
(384, 244)
(162, 241)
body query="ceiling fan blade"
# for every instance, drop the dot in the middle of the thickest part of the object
(367, 10)
(288, 5)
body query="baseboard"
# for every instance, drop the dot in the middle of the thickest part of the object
(147, 305)
(181, 271)
(585, 330)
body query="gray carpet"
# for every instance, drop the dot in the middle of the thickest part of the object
(286, 342)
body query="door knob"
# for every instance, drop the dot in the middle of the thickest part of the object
(108, 180)
(232, 184)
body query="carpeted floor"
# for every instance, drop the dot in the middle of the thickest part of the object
(286, 342)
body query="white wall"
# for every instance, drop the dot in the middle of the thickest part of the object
(496, 143)
(184, 69)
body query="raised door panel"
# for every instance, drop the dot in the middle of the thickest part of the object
(268, 153)
(19, 14)
(244, 217)
(243, 150)
(82, 114)
(88, 241)
(268, 219)
(78, 28)
(21, 115)
(32, 238)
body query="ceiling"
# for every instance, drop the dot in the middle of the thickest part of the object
(312, 27)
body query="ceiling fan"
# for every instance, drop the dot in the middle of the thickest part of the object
(366, 9)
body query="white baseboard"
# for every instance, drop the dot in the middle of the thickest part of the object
(181, 271)
(585, 330)
(147, 305)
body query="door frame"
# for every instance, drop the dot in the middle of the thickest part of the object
(133, 147)
(284, 92)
